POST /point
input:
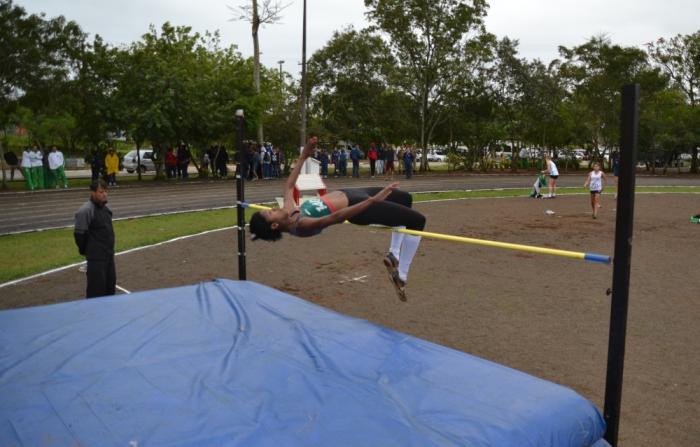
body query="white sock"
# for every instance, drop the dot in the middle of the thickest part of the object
(408, 251)
(396, 240)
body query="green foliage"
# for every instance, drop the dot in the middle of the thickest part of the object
(430, 40)
(679, 58)
(425, 71)
(594, 73)
(352, 99)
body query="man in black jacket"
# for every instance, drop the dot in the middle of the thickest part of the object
(94, 237)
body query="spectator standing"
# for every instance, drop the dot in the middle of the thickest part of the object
(553, 173)
(324, 163)
(95, 165)
(12, 162)
(399, 159)
(222, 162)
(170, 163)
(266, 163)
(46, 170)
(408, 158)
(343, 161)
(112, 165)
(335, 159)
(205, 164)
(372, 157)
(355, 156)
(37, 159)
(254, 162)
(26, 167)
(389, 163)
(381, 156)
(183, 161)
(94, 237)
(275, 162)
(212, 160)
(57, 165)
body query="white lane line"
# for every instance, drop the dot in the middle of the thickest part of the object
(122, 289)
(131, 250)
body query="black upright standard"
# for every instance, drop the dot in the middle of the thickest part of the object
(240, 197)
(629, 122)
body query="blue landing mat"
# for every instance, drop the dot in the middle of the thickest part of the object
(229, 363)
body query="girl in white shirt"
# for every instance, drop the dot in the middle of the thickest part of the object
(553, 173)
(596, 179)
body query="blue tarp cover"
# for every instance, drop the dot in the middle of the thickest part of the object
(237, 363)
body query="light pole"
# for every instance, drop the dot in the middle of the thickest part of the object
(302, 132)
(280, 62)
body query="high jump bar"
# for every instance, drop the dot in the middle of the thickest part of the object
(591, 257)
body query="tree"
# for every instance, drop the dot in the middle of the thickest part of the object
(475, 120)
(428, 38)
(258, 15)
(543, 95)
(679, 57)
(178, 87)
(37, 56)
(351, 98)
(593, 74)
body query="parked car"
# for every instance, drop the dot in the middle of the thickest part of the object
(131, 161)
(433, 156)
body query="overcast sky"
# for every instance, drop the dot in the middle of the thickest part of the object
(540, 25)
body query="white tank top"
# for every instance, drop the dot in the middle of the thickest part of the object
(553, 168)
(596, 181)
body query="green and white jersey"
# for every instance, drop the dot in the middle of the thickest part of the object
(316, 207)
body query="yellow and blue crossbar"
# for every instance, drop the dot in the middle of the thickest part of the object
(591, 257)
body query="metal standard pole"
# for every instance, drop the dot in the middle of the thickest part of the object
(240, 194)
(629, 122)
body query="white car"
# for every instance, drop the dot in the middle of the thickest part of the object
(131, 161)
(432, 156)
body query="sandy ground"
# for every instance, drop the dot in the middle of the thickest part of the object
(544, 315)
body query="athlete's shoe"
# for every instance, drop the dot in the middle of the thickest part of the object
(390, 262)
(399, 285)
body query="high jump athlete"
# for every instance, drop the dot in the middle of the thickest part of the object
(386, 206)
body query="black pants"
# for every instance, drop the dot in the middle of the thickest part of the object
(394, 211)
(101, 278)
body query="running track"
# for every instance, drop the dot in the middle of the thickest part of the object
(23, 211)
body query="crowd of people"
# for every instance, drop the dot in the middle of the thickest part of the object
(41, 168)
(383, 160)
(263, 161)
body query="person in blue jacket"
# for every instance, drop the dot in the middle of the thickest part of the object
(355, 156)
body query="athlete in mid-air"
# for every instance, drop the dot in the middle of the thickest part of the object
(386, 206)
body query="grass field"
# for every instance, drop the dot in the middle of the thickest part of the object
(28, 253)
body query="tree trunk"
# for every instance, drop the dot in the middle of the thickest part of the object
(423, 136)
(256, 63)
(2, 163)
(138, 156)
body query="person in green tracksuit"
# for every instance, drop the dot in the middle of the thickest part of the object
(26, 167)
(57, 166)
(37, 167)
